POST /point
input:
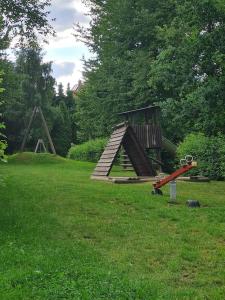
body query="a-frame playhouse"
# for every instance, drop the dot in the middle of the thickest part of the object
(140, 134)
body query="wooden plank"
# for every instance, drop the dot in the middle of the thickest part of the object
(102, 178)
(121, 126)
(112, 144)
(117, 135)
(115, 147)
(109, 152)
(102, 169)
(120, 129)
(116, 139)
(150, 136)
(104, 164)
(97, 173)
(105, 160)
(107, 156)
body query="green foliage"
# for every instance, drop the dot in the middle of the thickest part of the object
(27, 83)
(24, 19)
(123, 38)
(165, 52)
(71, 107)
(188, 73)
(89, 151)
(3, 144)
(209, 153)
(64, 128)
(28, 80)
(13, 108)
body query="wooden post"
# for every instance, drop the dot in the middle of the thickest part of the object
(159, 158)
(39, 144)
(28, 129)
(46, 130)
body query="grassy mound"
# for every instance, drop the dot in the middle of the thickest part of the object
(32, 158)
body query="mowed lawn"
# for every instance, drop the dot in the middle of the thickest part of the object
(64, 236)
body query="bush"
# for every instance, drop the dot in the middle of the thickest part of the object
(89, 151)
(209, 153)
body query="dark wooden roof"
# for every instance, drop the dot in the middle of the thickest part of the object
(148, 108)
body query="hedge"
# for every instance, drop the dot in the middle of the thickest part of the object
(89, 151)
(209, 153)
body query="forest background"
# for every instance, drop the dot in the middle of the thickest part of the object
(168, 52)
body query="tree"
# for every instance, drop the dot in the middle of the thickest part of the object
(123, 37)
(169, 53)
(13, 106)
(27, 84)
(189, 72)
(60, 96)
(2, 137)
(26, 19)
(71, 106)
(64, 129)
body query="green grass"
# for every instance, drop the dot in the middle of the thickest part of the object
(64, 236)
(34, 158)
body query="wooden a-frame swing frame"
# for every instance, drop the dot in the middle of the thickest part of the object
(36, 110)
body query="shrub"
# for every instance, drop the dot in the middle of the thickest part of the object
(89, 151)
(209, 153)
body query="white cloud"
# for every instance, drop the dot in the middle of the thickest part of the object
(64, 48)
(79, 6)
(67, 13)
(63, 69)
(63, 39)
(74, 77)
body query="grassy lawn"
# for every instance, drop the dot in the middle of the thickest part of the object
(64, 236)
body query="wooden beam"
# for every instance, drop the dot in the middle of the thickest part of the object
(40, 143)
(47, 131)
(28, 129)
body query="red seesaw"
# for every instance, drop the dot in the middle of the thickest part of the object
(187, 164)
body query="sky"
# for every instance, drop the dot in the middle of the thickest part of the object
(63, 50)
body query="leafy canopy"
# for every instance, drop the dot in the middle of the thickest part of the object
(26, 19)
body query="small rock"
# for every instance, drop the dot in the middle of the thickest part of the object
(193, 203)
